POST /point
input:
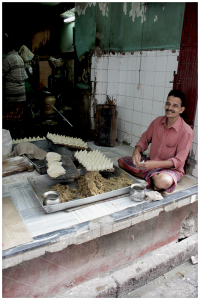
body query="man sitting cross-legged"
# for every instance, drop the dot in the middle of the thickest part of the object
(171, 140)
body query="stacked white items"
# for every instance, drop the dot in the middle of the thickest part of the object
(66, 140)
(55, 168)
(93, 160)
(30, 139)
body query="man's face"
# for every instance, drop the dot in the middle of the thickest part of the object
(173, 107)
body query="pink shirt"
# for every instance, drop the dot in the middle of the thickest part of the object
(172, 143)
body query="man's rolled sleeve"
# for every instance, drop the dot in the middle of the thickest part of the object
(183, 150)
(146, 138)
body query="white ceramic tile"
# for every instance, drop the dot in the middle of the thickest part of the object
(195, 171)
(137, 53)
(105, 63)
(160, 79)
(129, 103)
(143, 63)
(166, 92)
(123, 76)
(128, 115)
(113, 63)
(132, 62)
(93, 62)
(137, 104)
(143, 129)
(122, 89)
(113, 76)
(172, 63)
(105, 76)
(146, 119)
(92, 75)
(149, 78)
(195, 139)
(104, 88)
(196, 116)
(112, 88)
(120, 125)
(120, 136)
(98, 88)
(196, 155)
(151, 63)
(136, 130)
(128, 127)
(138, 93)
(159, 92)
(135, 140)
(169, 77)
(122, 101)
(172, 53)
(161, 64)
(162, 52)
(137, 117)
(121, 113)
(103, 99)
(137, 63)
(130, 76)
(98, 98)
(98, 75)
(127, 138)
(142, 77)
(98, 63)
(130, 90)
(158, 108)
(193, 149)
(148, 92)
(151, 54)
(147, 106)
(123, 63)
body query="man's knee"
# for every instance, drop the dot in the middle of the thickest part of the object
(162, 181)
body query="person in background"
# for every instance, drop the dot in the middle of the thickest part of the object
(14, 95)
(171, 139)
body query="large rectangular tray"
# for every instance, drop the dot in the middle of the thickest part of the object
(40, 184)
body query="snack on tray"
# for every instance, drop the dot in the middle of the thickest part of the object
(55, 170)
(66, 140)
(93, 160)
(53, 156)
(28, 140)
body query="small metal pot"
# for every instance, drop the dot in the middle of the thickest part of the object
(51, 197)
(137, 192)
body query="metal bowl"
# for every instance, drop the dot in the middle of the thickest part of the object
(137, 192)
(51, 197)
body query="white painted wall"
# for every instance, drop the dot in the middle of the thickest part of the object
(118, 76)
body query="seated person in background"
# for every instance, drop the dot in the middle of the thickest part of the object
(171, 140)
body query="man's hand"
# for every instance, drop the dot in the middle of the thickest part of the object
(148, 165)
(136, 155)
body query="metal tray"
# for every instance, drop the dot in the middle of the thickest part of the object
(41, 184)
(48, 146)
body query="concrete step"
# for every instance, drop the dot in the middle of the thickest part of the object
(131, 277)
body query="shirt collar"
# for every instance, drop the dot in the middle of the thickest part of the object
(176, 125)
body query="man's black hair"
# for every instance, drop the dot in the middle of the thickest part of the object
(178, 94)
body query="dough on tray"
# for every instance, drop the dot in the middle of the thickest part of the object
(53, 156)
(58, 163)
(55, 170)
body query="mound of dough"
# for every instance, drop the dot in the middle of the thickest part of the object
(53, 156)
(58, 163)
(55, 170)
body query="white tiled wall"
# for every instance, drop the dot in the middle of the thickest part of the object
(118, 76)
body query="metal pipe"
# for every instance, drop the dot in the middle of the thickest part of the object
(63, 116)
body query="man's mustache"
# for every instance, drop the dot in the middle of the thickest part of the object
(170, 111)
